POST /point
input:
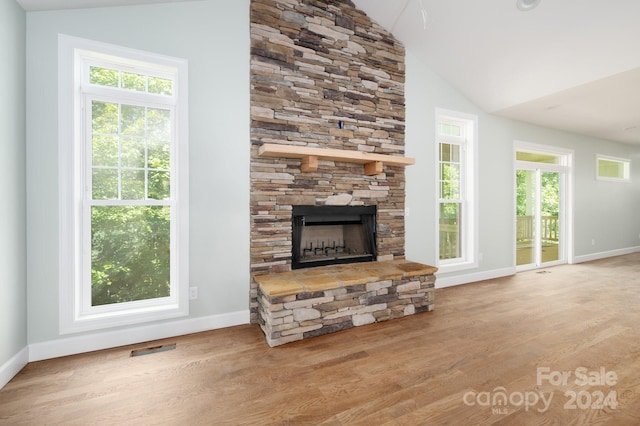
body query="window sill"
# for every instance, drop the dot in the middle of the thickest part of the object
(93, 322)
(456, 267)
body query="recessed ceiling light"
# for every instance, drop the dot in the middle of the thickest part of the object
(526, 5)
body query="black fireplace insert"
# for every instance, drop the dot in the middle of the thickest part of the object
(328, 235)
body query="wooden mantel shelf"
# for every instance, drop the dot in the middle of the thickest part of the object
(373, 163)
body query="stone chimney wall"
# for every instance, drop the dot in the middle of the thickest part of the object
(323, 75)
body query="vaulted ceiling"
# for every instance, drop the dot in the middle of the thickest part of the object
(572, 65)
(567, 64)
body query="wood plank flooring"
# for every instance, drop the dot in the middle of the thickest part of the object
(481, 339)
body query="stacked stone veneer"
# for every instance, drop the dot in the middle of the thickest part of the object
(308, 313)
(322, 75)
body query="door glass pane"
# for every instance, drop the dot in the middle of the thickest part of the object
(538, 157)
(130, 251)
(525, 217)
(450, 129)
(550, 208)
(450, 243)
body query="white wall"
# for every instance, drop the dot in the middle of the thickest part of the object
(213, 36)
(604, 211)
(13, 281)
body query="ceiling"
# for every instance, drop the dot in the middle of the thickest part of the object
(567, 64)
(572, 65)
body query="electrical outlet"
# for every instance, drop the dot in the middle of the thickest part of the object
(593, 242)
(193, 293)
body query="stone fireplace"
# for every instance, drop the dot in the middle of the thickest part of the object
(332, 235)
(324, 77)
(327, 173)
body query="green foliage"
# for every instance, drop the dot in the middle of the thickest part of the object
(131, 160)
(104, 76)
(549, 193)
(161, 86)
(130, 81)
(130, 251)
(449, 181)
(521, 192)
(450, 189)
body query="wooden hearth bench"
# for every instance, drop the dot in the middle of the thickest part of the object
(310, 302)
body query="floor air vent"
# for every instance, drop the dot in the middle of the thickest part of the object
(153, 350)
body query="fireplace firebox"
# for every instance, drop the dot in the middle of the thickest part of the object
(329, 235)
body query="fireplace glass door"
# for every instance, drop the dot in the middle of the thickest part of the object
(325, 235)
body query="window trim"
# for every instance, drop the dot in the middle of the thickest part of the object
(626, 163)
(469, 191)
(565, 167)
(73, 316)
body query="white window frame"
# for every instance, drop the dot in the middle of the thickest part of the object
(76, 314)
(468, 191)
(626, 163)
(566, 169)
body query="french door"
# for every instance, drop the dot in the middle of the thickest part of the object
(541, 194)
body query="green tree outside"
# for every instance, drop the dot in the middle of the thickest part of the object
(130, 241)
(549, 193)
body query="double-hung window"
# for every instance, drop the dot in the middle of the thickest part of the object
(456, 140)
(123, 147)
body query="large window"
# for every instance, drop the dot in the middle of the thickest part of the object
(122, 166)
(456, 140)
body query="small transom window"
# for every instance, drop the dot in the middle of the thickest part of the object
(613, 169)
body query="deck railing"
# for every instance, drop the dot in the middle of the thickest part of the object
(450, 236)
(449, 241)
(525, 228)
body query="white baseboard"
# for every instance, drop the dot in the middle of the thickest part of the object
(605, 254)
(131, 335)
(12, 367)
(442, 282)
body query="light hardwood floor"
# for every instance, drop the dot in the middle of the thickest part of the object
(482, 337)
(525, 255)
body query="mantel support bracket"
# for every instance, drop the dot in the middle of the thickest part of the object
(373, 168)
(309, 163)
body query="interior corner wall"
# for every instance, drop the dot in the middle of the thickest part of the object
(13, 281)
(213, 36)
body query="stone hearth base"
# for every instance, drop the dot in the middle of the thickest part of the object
(310, 302)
